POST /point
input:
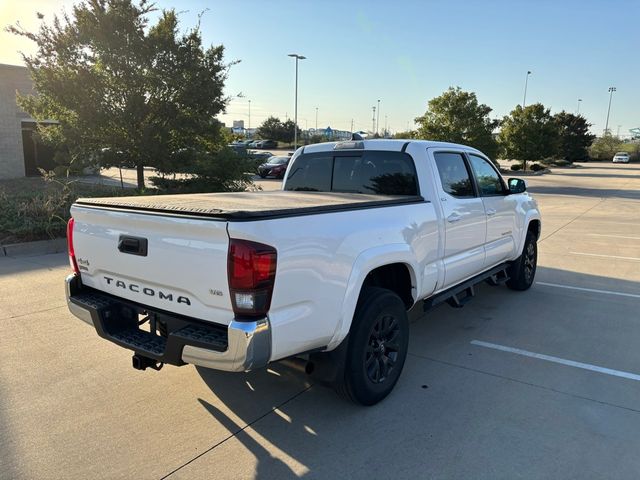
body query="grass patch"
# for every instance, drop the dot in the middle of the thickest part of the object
(38, 208)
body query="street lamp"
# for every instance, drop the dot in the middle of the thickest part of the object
(373, 120)
(295, 121)
(606, 125)
(249, 115)
(378, 118)
(526, 82)
(579, 102)
(316, 119)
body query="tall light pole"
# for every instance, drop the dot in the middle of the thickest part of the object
(606, 125)
(249, 115)
(373, 121)
(526, 82)
(295, 121)
(378, 119)
(579, 102)
(316, 118)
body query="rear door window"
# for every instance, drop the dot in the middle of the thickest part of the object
(454, 175)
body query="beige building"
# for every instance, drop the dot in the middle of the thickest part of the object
(18, 151)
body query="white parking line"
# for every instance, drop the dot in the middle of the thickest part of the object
(562, 361)
(592, 290)
(612, 236)
(605, 256)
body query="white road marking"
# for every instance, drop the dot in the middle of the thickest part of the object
(562, 361)
(605, 256)
(612, 236)
(592, 290)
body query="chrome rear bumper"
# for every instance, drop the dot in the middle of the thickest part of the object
(248, 343)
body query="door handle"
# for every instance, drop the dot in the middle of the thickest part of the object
(454, 217)
(133, 245)
(491, 212)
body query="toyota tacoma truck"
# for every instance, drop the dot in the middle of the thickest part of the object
(325, 269)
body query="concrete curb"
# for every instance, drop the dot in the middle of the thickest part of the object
(40, 247)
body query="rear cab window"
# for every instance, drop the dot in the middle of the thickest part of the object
(366, 171)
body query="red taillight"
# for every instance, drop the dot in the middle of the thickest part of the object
(72, 253)
(251, 268)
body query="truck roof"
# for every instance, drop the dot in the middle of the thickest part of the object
(394, 145)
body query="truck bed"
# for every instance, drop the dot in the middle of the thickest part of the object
(248, 205)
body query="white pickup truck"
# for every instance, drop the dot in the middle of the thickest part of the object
(325, 269)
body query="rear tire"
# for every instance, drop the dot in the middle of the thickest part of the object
(523, 271)
(377, 347)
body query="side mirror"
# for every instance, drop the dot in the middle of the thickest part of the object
(517, 185)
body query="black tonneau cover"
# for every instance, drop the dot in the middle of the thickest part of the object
(248, 205)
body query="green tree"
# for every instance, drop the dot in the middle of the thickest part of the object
(117, 84)
(605, 147)
(456, 116)
(529, 134)
(407, 134)
(575, 138)
(270, 129)
(221, 171)
(288, 130)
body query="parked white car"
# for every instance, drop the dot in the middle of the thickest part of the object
(621, 157)
(326, 268)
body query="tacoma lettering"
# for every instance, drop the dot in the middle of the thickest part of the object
(147, 291)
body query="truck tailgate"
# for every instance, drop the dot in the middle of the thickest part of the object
(175, 264)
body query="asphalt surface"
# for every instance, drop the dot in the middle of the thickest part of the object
(538, 384)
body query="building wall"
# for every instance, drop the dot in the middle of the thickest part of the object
(12, 79)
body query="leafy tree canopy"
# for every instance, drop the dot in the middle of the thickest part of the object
(270, 129)
(407, 134)
(529, 134)
(605, 147)
(115, 83)
(274, 129)
(456, 116)
(574, 136)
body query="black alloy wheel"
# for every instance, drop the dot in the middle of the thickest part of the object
(376, 347)
(523, 270)
(381, 354)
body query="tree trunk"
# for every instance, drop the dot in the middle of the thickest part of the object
(140, 172)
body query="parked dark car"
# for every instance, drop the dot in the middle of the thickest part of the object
(257, 155)
(238, 148)
(274, 167)
(267, 144)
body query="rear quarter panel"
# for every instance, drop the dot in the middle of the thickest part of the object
(323, 260)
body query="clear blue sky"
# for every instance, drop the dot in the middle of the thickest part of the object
(405, 53)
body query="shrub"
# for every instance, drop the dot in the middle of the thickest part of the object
(38, 208)
(516, 166)
(223, 171)
(561, 163)
(536, 167)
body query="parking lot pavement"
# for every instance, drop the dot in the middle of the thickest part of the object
(536, 384)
